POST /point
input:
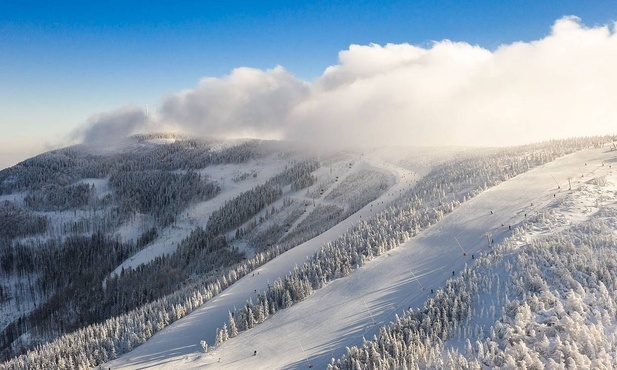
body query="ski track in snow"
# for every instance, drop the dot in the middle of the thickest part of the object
(345, 310)
(198, 214)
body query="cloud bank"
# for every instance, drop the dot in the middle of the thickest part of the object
(451, 93)
(248, 102)
(111, 127)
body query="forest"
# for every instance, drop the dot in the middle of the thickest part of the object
(204, 264)
(56, 257)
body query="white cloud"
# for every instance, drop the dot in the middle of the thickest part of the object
(248, 102)
(449, 93)
(111, 127)
(458, 94)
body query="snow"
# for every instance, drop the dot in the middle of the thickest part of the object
(10, 308)
(133, 228)
(347, 309)
(101, 186)
(197, 214)
(229, 143)
(14, 197)
(161, 141)
(592, 201)
(216, 310)
(224, 175)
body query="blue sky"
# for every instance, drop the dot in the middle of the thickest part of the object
(61, 62)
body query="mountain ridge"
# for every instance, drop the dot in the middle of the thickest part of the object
(534, 153)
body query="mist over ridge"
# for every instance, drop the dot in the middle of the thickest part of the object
(450, 93)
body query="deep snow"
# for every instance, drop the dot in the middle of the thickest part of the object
(339, 314)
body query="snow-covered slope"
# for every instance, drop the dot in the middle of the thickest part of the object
(223, 175)
(198, 214)
(215, 312)
(340, 314)
(144, 204)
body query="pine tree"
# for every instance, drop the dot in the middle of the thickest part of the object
(233, 329)
(250, 318)
(225, 333)
(287, 301)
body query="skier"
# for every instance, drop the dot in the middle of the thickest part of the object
(255, 353)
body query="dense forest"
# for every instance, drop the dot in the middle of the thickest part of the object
(16, 221)
(552, 308)
(63, 167)
(57, 232)
(421, 207)
(139, 302)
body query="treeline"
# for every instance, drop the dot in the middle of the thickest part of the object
(99, 343)
(95, 344)
(199, 254)
(63, 167)
(350, 195)
(65, 283)
(424, 206)
(66, 280)
(298, 175)
(552, 308)
(335, 260)
(54, 197)
(16, 221)
(162, 194)
(235, 212)
(238, 210)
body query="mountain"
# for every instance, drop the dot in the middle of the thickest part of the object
(136, 238)
(91, 233)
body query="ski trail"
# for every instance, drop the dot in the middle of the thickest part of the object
(349, 308)
(181, 339)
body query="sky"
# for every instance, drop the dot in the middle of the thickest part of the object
(326, 72)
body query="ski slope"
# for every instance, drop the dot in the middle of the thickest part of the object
(312, 332)
(198, 214)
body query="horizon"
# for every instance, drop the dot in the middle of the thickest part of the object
(318, 72)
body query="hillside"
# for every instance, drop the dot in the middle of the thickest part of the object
(295, 246)
(344, 311)
(141, 215)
